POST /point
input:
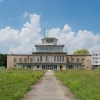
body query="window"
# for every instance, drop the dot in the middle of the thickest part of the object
(77, 60)
(49, 40)
(95, 58)
(62, 58)
(95, 54)
(25, 60)
(67, 60)
(31, 60)
(40, 58)
(57, 58)
(83, 60)
(15, 60)
(20, 60)
(54, 58)
(37, 58)
(46, 58)
(72, 60)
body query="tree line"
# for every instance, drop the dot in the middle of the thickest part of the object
(3, 60)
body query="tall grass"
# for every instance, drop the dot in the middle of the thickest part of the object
(85, 84)
(14, 83)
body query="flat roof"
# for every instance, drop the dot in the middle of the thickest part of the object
(48, 45)
(19, 54)
(78, 55)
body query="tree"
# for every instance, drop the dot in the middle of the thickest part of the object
(3, 60)
(81, 52)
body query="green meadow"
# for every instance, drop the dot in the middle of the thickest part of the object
(14, 83)
(84, 84)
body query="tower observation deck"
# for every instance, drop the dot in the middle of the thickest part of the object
(49, 44)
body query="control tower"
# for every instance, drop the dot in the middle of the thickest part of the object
(49, 44)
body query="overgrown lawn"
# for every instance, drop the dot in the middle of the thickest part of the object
(14, 83)
(85, 84)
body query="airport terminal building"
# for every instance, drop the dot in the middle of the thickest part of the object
(49, 56)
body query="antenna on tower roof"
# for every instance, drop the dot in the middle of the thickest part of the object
(44, 32)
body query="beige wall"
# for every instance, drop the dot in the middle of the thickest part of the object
(87, 64)
(11, 63)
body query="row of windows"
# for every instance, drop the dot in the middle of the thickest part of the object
(49, 49)
(96, 62)
(96, 58)
(49, 40)
(40, 58)
(77, 60)
(96, 54)
(25, 60)
(56, 58)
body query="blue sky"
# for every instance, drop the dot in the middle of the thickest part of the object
(77, 14)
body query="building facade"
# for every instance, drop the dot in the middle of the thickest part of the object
(96, 59)
(49, 56)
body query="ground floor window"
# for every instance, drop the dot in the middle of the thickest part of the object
(73, 66)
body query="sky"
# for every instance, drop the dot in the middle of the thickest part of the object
(75, 23)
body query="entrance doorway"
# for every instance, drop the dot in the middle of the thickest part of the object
(60, 67)
(49, 67)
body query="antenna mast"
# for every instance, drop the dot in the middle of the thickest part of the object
(44, 32)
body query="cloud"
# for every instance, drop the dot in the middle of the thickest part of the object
(22, 41)
(9, 36)
(28, 36)
(25, 14)
(73, 41)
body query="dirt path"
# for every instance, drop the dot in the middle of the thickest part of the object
(49, 88)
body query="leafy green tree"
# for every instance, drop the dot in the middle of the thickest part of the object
(81, 52)
(3, 60)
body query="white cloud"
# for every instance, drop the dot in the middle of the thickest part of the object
(73, 41)
(25, 14)
(22, 41)
(9, 36)
(29, 35)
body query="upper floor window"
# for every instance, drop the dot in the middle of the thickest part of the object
(95, 58)
(83, 59)
(15, 60)
(72, 59)
(46, 58)
(62, 58)
(67, 60)
(31, 60)
(20, 60)
(54, 58)
(40, 58)
(77, 60)
(37, 59)
(57, 58)
(25, 60)
(95, 54)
